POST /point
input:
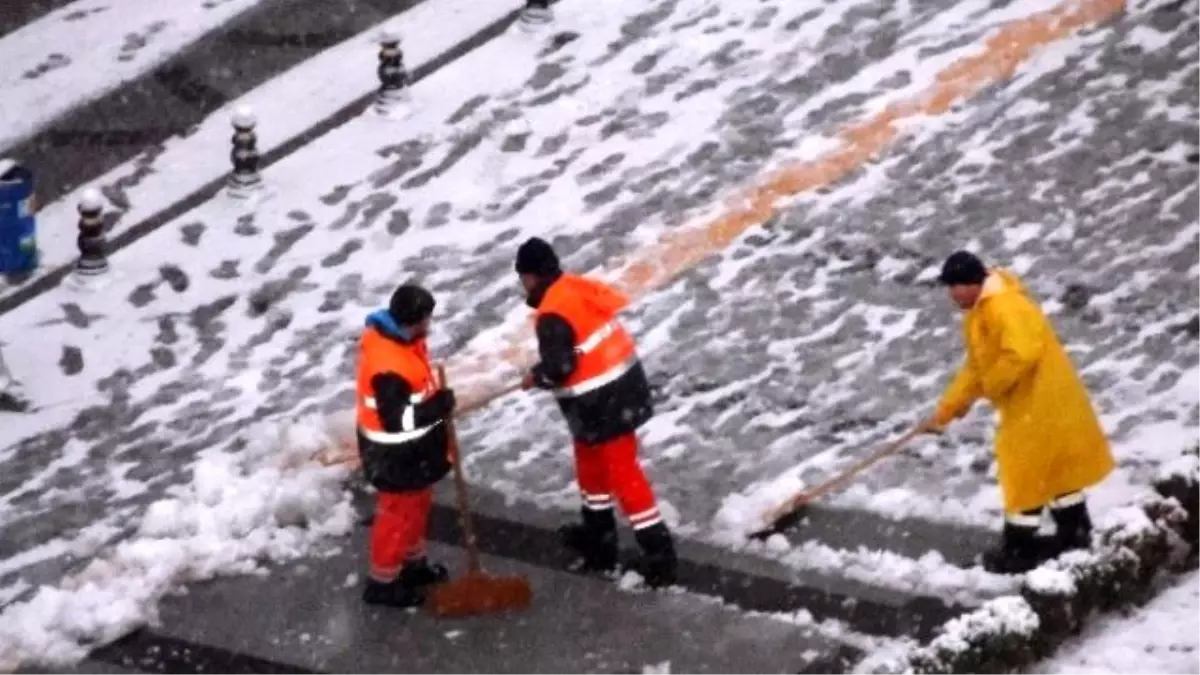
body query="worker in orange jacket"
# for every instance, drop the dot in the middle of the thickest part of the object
(590, 363)
(403, 444)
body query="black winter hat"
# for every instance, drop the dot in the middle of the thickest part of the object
(538, 258)
(962, 268)
(411, 305)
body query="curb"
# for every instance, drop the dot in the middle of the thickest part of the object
(527, 532)
(1011, 633)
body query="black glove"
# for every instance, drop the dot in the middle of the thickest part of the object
(444, 403)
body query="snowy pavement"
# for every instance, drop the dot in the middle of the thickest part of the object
(800, 347)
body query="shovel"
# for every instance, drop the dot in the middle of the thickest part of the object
(476, 592)
(791, 511)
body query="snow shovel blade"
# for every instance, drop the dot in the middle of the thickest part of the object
(790, 514)
(479, 593)
(786, 521)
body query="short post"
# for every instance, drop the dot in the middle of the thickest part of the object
(93, 248)
(7, 381)
(245, 177)
(12, 398)
(536, 13)
(393, 78)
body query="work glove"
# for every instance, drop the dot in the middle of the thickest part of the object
(443, 403)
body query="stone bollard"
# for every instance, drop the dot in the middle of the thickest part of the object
(12, 397)
(393, 78)
(245, 178)
(93, 249)
(536, 13)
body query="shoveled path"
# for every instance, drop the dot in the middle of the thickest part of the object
(307, 617)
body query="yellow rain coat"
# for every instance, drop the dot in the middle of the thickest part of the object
(1050, 442)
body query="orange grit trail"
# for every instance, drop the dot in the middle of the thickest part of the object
(658, 265)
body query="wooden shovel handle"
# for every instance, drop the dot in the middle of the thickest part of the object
(812, 494)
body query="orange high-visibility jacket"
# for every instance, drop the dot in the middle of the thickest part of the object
(607, 394)
(413, 456)
(378, 354)
(603, 348)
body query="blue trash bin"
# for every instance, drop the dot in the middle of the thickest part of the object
(18, 222)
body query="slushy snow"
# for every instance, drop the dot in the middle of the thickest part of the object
(262, 504)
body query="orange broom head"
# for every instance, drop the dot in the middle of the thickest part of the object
(479, 593)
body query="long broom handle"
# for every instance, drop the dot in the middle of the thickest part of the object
(820, 490)
(460, 488)
(349, 456)
(475, 405)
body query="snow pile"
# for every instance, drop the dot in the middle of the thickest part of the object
(930, 575)
(886, 656)
(663, 667)
(1008, 619)
(741, 513)
(1185, 466)
(1126, 524)
(1050, 581)
(241, 510)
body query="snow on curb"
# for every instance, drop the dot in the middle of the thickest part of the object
(259, 504)
(1178, 479)
(1010, 633)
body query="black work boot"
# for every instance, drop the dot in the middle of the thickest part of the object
(392, 593)
(658, 562)
(1074, 526)
(1019, 551)
(420, 572)
(594, 540)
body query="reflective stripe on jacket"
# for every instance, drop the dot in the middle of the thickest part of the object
(410, 432)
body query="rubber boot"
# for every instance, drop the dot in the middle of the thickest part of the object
(658, 563)
(594, 541)
(1019, 551)
(1074, 526)
(418, 572)
(392, 594)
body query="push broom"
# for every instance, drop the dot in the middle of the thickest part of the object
(791, 511)
(476, 592)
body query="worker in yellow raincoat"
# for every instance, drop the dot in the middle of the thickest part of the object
(1049, 445)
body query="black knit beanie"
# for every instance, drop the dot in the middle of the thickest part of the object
(411, 305)
(537, 257)
(962, 268)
